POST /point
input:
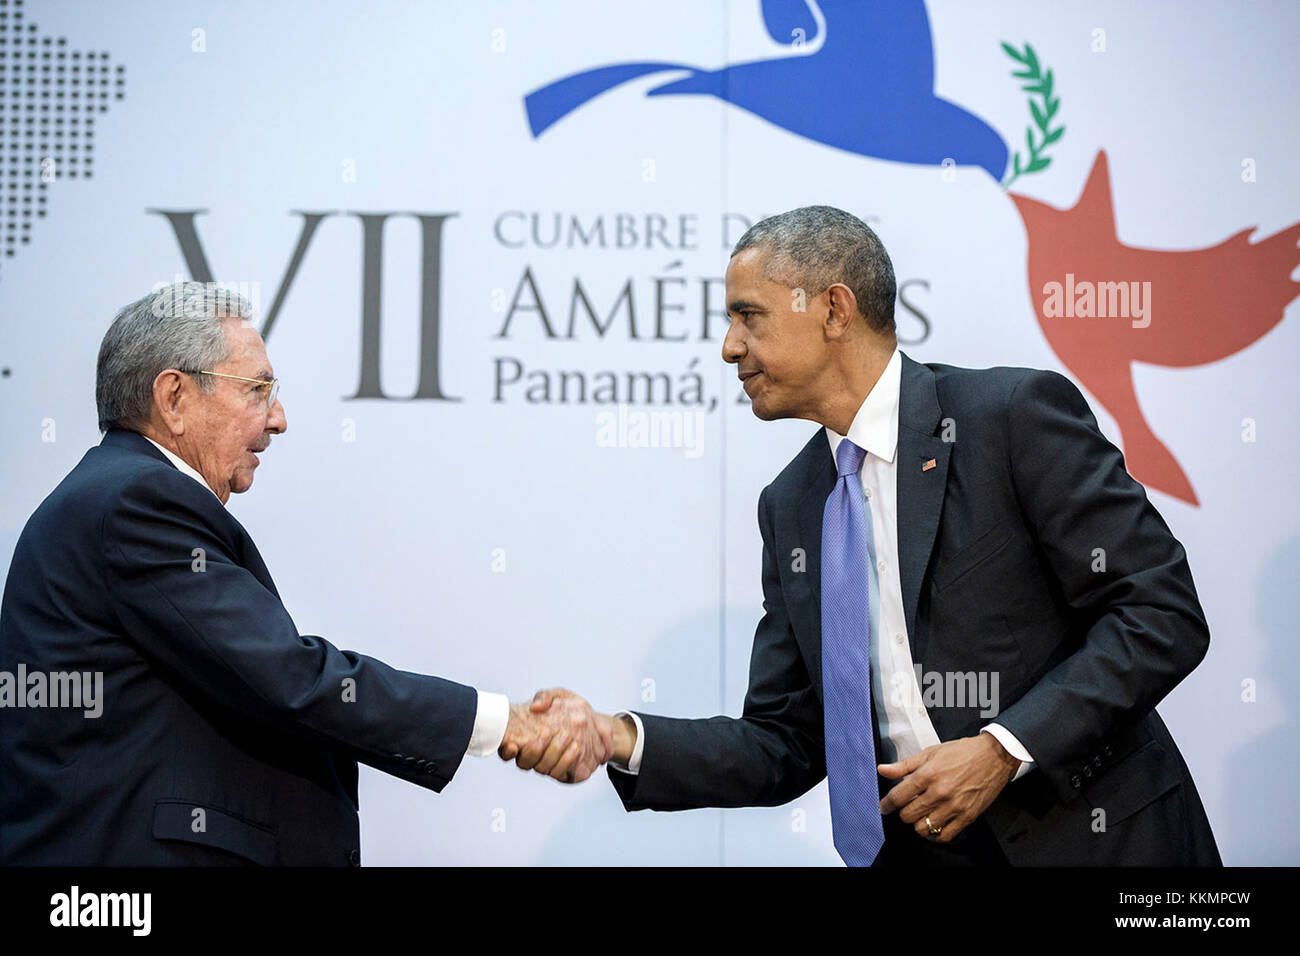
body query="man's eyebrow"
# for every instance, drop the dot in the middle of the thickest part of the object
(744, 305)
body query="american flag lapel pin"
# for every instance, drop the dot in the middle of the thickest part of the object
(929, 464)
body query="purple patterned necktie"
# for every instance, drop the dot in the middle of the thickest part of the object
(846, 666)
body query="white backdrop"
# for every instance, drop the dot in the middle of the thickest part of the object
(495, 539)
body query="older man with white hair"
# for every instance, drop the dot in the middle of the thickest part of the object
(225, 736)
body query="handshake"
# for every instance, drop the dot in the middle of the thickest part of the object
(558, 734)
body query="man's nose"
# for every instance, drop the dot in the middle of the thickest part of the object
(275, 421)
(733, 347)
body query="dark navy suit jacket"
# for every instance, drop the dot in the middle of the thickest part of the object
(226, 736)
(998, 556)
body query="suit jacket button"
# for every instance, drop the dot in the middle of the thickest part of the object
(1076, 782)
(354, 857)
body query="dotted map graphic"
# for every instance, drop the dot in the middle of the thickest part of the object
(49, 98)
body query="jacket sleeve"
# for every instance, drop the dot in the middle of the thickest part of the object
(770, 755)
(185, 600)
(1122, 572)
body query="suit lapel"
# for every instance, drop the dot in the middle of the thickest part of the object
(812, 507)
(920, 486)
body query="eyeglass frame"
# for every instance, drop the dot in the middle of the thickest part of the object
(273, 384)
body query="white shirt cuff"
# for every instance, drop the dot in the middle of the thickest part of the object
(1012, 746)
(490, 722)
(633, 762)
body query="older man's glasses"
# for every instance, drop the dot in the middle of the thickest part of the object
(268, 387)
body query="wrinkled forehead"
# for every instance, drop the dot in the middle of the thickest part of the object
(746, 269)
(748, 279)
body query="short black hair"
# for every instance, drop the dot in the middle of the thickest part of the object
(813, 247)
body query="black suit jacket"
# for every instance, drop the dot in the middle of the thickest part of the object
(998, 545)
(226, 736)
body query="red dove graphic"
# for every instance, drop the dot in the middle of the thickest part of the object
(1104, 305)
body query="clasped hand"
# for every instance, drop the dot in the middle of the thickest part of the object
(558, 734)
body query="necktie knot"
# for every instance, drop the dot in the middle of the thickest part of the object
(849, 458)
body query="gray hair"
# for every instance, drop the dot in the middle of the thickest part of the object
(176, 326)
(814, 247)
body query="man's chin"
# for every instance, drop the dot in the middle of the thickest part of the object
(765, 412)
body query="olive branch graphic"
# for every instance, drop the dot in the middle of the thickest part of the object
(1042, 105)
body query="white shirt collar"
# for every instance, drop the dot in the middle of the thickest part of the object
(181, 464)
(875, 426)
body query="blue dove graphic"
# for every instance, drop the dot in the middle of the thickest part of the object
(868, 88)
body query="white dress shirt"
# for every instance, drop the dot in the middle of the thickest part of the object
(905, 726)
(493, 710)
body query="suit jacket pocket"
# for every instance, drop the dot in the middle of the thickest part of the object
(1135, 781)
(214, 827)
(971, 556)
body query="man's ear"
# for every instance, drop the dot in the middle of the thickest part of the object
(843, 306)
(169, 399)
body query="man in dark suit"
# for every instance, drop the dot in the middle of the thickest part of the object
(963, 588)
(220, 735)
